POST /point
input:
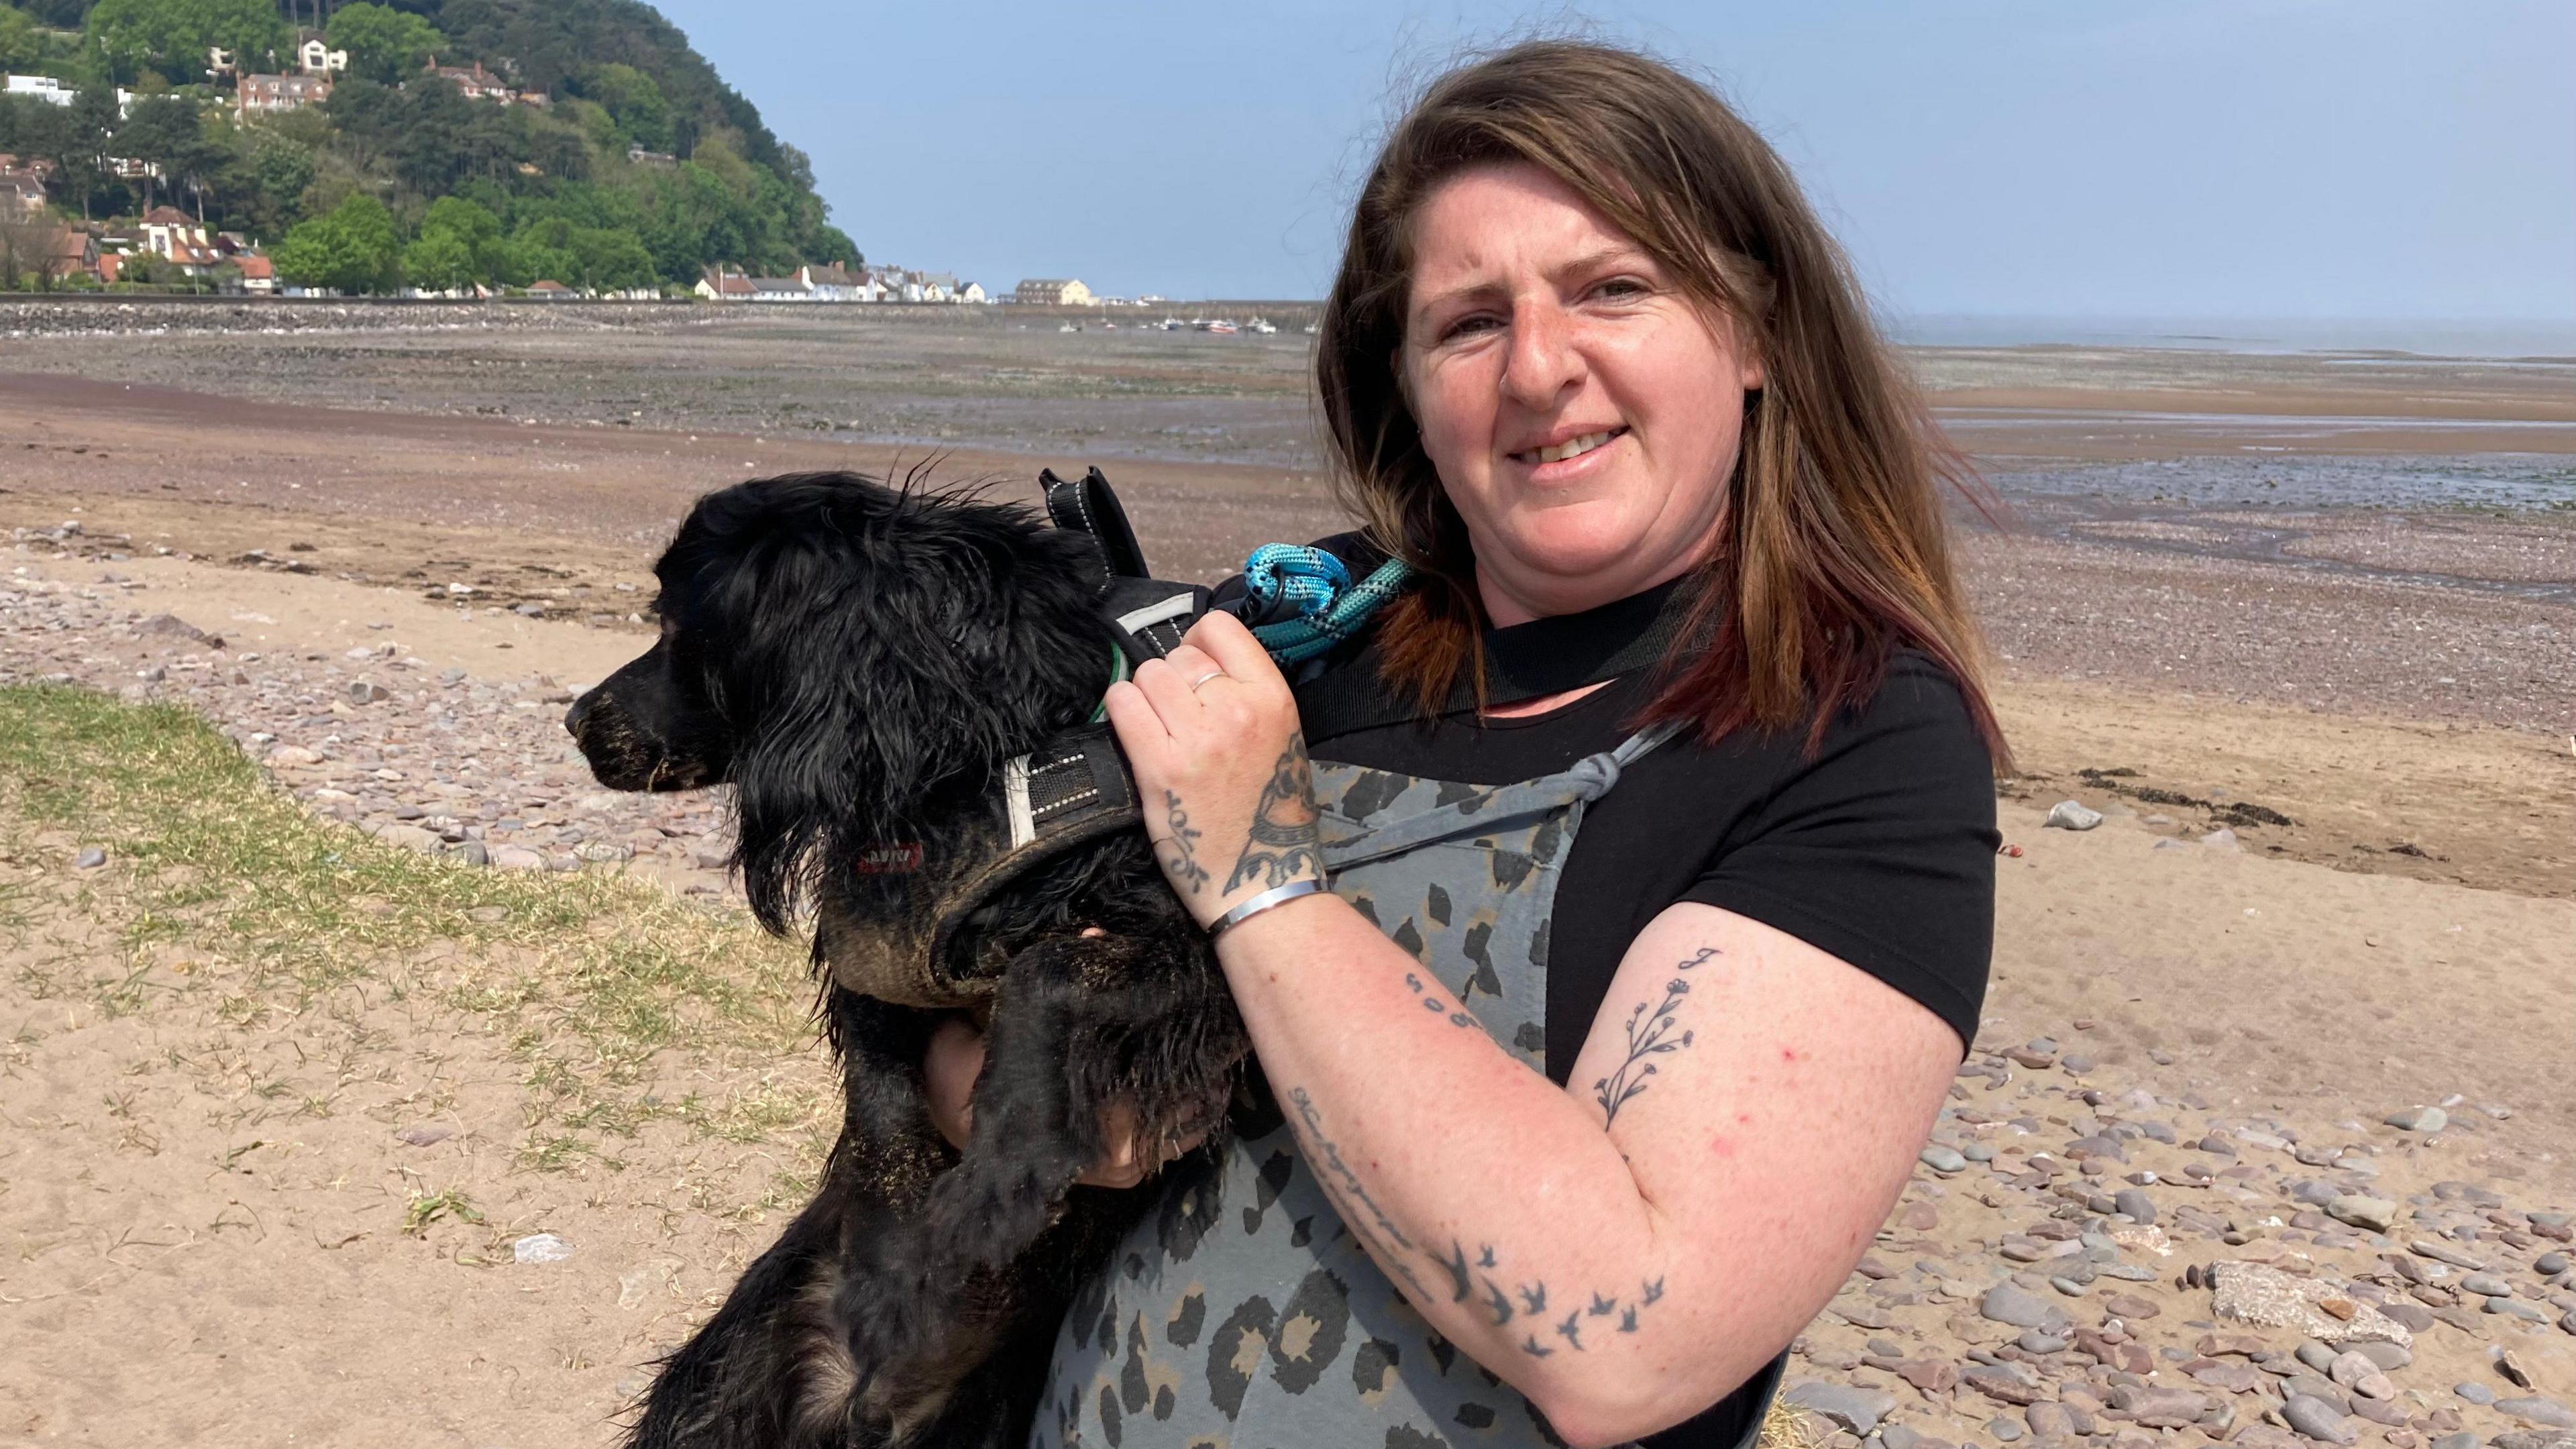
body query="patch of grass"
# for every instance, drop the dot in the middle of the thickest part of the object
(596, 983)
(427, 1208)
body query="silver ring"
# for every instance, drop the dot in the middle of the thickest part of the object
(1204, 678)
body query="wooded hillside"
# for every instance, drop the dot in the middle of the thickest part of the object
(582, 141)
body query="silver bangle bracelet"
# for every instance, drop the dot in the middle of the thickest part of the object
(1275, 896)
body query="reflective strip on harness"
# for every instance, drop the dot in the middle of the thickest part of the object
(1178, 606)
(1015, 801)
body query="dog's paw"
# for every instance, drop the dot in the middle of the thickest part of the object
(984, 1213)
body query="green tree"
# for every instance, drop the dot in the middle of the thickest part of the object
(613, 260)
(81, 143)
(440, 261)
(635, 103)
(173, 36)
(353, 249)
(165, 132)
(278, 171)
(20, 45)
(473, 231)
(384, 44)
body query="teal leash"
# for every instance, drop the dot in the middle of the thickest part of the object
(1330, 608)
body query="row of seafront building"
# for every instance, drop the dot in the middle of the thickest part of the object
(836, 283)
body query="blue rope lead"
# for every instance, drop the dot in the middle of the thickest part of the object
(1329, 607)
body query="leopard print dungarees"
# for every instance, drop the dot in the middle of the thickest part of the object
(1245, 1314)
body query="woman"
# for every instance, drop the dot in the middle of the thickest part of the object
(1657, 818)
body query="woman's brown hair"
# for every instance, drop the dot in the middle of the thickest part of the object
(1833, 552)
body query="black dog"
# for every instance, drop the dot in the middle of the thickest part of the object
(858, 661)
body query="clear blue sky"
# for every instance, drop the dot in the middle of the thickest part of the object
(2083, 158)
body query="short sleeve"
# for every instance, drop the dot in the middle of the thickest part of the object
(1880, 850)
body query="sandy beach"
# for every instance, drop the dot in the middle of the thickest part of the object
(2303, 628)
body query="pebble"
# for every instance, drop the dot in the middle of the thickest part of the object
(367, 691)
(2427, 1120)
(2007, 1304)
(2550, 1265)
(2535, 1439)
(2221, 839)
(409, 837)
(1943, 1159)
(2140, 1207)
(2486, 1284)
(91, 857)
(2319, 1420)
(2534, 1409)
(2071, 815)
(2375, 1213)
(2442, 1252)
(426, 1134)
(540, 1248)
(1850, 1407)
(2456, 1441)
(2478, 1394)
(2049, 1420)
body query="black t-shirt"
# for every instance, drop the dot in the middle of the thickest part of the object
(1878, 847)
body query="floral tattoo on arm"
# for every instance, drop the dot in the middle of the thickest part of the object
(1284, 844)
(1650, 1035)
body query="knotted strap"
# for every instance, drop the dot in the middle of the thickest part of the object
(1300, 601)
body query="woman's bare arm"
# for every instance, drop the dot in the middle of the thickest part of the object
(1624, 1250)
(1763, 1104)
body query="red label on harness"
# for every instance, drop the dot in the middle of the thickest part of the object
(901, 858)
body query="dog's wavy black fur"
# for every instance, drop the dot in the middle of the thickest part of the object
(857, 660)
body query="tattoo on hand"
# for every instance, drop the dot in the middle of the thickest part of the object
(1284, 844)
(1650, 1035)
(1182, 861)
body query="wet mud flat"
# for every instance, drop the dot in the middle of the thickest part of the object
(993, 378)
(2385, 534)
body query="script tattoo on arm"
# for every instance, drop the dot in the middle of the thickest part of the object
(1432, 1003)
(1650, 1035)
(1351, 1196)
(1182, 861)
(1476, 1277)
(1284, 843)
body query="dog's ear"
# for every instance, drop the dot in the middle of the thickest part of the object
(878, 667)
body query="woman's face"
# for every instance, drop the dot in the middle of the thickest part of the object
(1581, 410)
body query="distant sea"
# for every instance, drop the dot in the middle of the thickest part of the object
(2426, 338)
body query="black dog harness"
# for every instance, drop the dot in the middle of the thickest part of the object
(924, 948)
(1070, 791)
